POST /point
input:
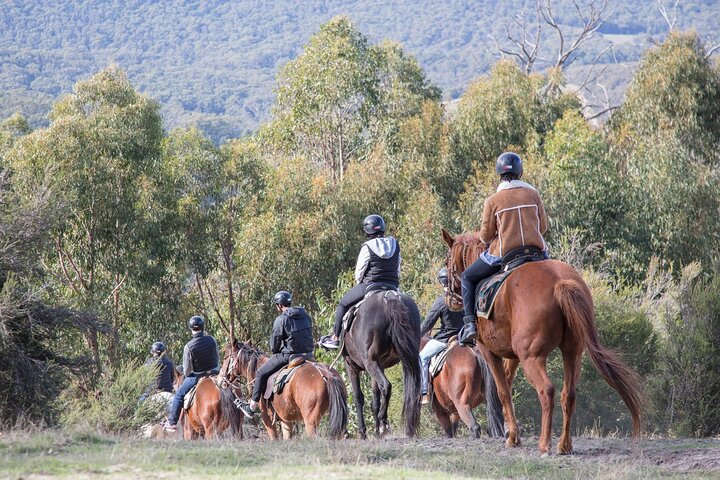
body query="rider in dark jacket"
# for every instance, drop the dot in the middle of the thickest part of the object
(200, 359)
(164, 382)
(450, 325)
(378, 262)
(291, 336)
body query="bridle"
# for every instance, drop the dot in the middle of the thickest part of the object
(453, 275)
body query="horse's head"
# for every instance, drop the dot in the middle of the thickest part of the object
(463, 250)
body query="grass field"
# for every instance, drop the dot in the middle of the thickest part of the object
(57, 454)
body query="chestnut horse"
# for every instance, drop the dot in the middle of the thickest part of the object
(313, 390)
(211, 413)
(464, 383)
(541, 306)
(386, 330)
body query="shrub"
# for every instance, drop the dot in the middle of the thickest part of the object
(686, 391)
(115, 406)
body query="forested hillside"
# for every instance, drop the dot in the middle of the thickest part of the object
(213, 63)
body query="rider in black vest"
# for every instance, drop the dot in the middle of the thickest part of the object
(291, 337)
(164, 382)
(200, 359)
(450, 325)
(378, 262)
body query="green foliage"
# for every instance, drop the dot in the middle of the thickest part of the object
(687, 387)
(116, 407)
(582, 185)
(677, 90)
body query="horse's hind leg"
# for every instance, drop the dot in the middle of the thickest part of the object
(376, 404)
(536, 373)
(384, 389)
(465, 413)
(444, 419)
(571, 372)
(354, 374)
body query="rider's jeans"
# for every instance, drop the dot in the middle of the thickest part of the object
(432, 347)
(177, 404)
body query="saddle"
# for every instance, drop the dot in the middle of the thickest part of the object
(190, 396)
(277, 381)
(438, 360)
(372, 289)
(487, 289)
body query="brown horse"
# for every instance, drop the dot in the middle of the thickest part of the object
(211, 413)
(313, 390)
(541, 306)
(464, 383)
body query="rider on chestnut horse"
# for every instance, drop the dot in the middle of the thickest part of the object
(512, 217)
(200, 359)
(291, 337)
(378, 262)
(450, 325)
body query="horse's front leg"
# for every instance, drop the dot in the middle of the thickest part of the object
(499, 375)
(267, 421)
(354, 374)
(286, 430)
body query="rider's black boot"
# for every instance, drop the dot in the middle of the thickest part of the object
(468, 334)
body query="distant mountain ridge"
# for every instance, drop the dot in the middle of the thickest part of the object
(213, 63)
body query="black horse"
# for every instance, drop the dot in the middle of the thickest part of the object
(385, 331)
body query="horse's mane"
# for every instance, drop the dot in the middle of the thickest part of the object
(468, 238)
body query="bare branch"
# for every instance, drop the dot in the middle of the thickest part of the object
(711, 50)
(117, 287)
(525, 48)
(602, 112)
(591, 23)
(215, 308)
(663, 11)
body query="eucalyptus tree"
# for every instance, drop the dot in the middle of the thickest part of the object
(102, 148)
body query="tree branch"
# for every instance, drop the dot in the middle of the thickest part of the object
(663, 11)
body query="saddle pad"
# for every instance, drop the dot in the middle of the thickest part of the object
(486, 292)
(277, 381)
(352, 311)
(438, 360)
(189, 397)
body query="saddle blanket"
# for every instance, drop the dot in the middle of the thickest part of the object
(438, 360)
(372, 290)
(277, 381)
(488, 288)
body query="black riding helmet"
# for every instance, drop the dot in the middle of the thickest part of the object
(509, 162)
(282, 298)
(442, 276)
(373, 224)
(196, 323)
(157, 348)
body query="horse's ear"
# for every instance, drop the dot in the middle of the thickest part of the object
(447, 238)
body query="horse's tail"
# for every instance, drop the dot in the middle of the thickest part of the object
(495, 417)
(230, 412)
(404, 324)
(337, 405)
(575, 301)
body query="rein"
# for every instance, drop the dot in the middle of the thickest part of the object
(454, 276)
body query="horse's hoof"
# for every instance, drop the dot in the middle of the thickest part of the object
(567, 450)
(512, 442)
